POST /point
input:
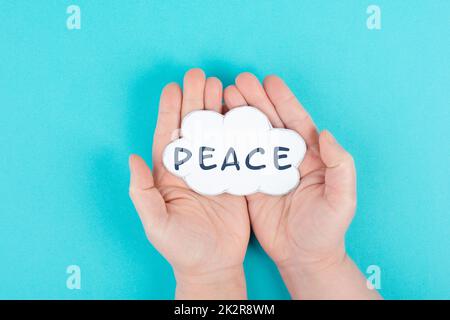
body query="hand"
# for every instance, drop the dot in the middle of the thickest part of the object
(303, 231)
(204, 238)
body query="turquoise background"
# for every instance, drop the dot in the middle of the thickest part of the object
(74, 105)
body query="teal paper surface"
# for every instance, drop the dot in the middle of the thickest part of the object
(75, 103)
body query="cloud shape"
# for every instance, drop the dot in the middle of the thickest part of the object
(238, 153)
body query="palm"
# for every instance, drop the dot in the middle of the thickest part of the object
(287, 224)
(195, 233)
(203, 231)
(310, 222)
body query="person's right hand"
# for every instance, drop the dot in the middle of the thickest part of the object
(204, 238)
(303, 231)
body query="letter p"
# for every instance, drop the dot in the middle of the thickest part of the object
(177, 161)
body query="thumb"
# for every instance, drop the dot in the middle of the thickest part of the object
(146, 198)
(340, 175)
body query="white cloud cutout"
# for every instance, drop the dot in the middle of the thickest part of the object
(238, 153)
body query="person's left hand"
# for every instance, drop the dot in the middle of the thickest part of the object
(204, 238)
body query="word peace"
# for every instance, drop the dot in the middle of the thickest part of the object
(238, 153)
(231, 153)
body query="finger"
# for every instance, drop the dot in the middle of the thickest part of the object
(193, 91)
(233, 98)
(291, 112)
(146, 198)
(225, 109)
(340, 174)
(296, 118)
(168, 122)
(213, 94)
(254, 93)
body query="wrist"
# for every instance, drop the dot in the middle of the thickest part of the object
(228, 283)
(298, 272)
(336, 277)
(312, 265)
